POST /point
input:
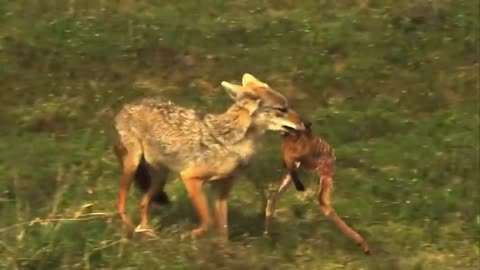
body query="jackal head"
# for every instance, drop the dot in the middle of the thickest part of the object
(268, 109)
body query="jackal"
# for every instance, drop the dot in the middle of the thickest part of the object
(303, 150)
(156, 137)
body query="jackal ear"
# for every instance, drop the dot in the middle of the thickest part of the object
(237, 92)
(243, 97)
(251, 105)
(249, 80)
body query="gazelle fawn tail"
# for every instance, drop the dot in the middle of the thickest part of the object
(296, 181)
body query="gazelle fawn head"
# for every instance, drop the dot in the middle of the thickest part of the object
(268, 109)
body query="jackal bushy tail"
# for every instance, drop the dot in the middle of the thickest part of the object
(143, 181)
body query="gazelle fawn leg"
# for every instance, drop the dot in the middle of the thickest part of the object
(199, 201)
(270, 209)
(222, 189)
(263, 196)
(326, 187)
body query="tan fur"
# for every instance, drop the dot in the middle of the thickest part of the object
(200, 147)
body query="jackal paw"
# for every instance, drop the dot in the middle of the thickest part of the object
(145, 229)
(126, 221)
(194, 233)
(198, 232)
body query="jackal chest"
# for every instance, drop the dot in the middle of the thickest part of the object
(244, 150)
(230, 161)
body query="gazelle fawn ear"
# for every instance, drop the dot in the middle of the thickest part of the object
(249, 81)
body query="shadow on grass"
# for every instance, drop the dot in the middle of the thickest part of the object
(179, 217)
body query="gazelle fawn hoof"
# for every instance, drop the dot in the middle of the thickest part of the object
(365, 248)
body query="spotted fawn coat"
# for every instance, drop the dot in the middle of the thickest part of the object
(303, 150)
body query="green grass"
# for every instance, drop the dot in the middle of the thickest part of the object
(392, 85)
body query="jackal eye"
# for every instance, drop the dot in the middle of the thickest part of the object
(283, 109)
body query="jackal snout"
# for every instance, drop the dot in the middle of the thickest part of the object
(269, 109)
(295, 118)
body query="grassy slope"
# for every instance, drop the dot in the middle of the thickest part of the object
(392, 86)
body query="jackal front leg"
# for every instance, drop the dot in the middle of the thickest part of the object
(199, 201)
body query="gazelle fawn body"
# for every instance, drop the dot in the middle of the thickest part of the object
(303, 150)
(155, 138)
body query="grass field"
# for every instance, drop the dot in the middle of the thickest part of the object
(393, 86)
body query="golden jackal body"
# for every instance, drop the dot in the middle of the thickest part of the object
(164, 137)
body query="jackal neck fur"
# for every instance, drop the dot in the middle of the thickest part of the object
(233, 129)
(231, 126)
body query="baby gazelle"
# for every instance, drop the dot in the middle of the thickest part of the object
(301, 149)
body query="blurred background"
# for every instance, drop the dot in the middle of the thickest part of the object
(393, 86)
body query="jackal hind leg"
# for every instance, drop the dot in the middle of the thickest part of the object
(129, 153)
(159, 175)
